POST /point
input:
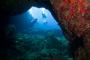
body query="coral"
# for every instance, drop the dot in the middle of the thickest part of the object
(74, 17)
(73, 14)
(28, 46)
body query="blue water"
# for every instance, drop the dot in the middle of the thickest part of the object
(37, 13)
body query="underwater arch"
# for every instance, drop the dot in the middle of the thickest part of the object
(32, 42)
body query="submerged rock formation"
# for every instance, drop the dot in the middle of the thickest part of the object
(72, 15)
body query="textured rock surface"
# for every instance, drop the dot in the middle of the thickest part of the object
(72, 15)
(14, 7)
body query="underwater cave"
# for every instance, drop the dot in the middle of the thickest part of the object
(45, 30)
(34, 35)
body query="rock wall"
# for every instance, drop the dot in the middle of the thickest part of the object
(74, 17)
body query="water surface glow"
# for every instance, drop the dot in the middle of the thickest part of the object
(37, 13)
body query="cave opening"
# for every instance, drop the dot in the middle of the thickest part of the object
(35, 35)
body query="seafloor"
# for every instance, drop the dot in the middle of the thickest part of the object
(35, 44)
